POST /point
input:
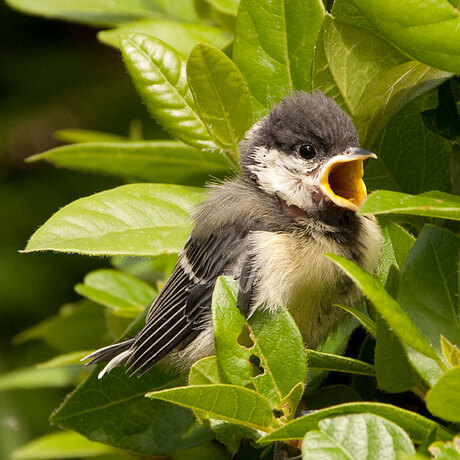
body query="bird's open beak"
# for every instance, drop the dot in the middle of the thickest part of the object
(342, 178)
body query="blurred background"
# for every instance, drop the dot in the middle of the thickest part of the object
(54, 75)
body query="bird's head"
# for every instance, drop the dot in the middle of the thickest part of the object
(306, 153)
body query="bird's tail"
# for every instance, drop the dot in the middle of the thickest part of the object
(114, 355)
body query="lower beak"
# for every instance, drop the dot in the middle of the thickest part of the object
(342, 178)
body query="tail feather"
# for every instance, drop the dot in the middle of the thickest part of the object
(114, 355)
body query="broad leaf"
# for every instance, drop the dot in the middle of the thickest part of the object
(221, 95)
(205, 372)
(124, 294)
(59, 446)
(430, 204)
(275, 39)
(149, 427)
(443, 400)
(330, 362)
(411, 158)
(446, 450)
(356, 437)
(260, 357)
(76, 327)
(364, 319)
(347, 58)
(390, 310)
(159, 75)
(182, 36)
(103, 12)
(152, 161)
(138, 219)
(225, 402)
(74, 357)
(32, 377)
(415, 425)
(430, 32)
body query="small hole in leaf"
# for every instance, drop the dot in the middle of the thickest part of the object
(250, 386)
(278, 413)
(257, 369)
(244, 339)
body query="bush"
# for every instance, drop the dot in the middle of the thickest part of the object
(207, 70)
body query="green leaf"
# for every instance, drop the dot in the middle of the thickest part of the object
(205, 372)
(181, 36)
(356, 436)
(429, 204)
(402, 242)
(275, 39)
(415, 425)
(59, 446)
(411, 158)
(347, 58)
(76, 327)
(365, 321)
(153, 161)
(446, 450)
(73, 136)
(221, 95)
(443, 400)
(137, 219)
(33, 377)
(391, 311)
(158, 72)
(255, 351)
(229, 7)
(74, 357)
(389, 92)
(429, 292)
(430, 32)
(330, 362)
(124, 294)
(149, 427)
(97, 12)
(225, 402)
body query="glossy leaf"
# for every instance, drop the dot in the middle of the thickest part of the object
(260, 357)
(364, 319)
(182, 36)
(391, 311)
(429, 32)
(152, 161)
(59, 446)
(430, 204)
(330, 362)
(415, 425)
(347, 58)
(117, 291)
(225, 402)
(275, 39)
(138, 219)
(221, 95)
(149, 427)
(158, 72)
(443, 400)
(356, 436)
(411, 158)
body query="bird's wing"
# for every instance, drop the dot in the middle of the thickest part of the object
(177, 314)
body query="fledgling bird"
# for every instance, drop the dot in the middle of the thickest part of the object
(296, 199)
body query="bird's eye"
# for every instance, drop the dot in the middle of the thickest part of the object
(307, 151)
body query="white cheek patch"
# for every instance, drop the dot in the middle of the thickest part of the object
(286, 176)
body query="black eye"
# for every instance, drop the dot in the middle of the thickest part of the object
(307, 151)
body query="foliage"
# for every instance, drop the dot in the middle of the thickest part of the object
(391, 67)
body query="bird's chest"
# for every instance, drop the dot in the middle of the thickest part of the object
(293, 272)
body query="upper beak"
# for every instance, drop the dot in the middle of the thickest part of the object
(342, 178)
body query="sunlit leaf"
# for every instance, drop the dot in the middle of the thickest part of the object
(443, 400)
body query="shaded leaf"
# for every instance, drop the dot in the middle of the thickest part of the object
(356, 436)
(365, 320)
(152, 161)
(182, 36)
(226, 402)
(74, 357)
(60, 445)
(73, 136)
(429, 204)
(205, 372)
(443, 400)
(137, 219)
(276, 39)
(414, 424)
(159, 75)
(149, 427)
(32, 377)
(221, 95)
(330, 362)
(330, 396)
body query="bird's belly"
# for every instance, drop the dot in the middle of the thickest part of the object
(294, 273)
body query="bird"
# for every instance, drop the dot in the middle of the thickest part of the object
(296, 198)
